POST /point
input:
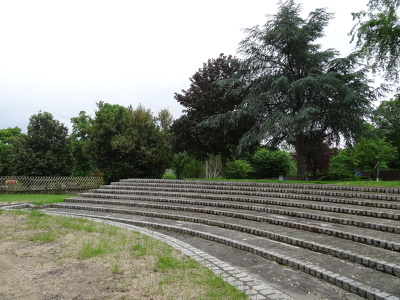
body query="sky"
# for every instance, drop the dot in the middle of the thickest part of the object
(64, 56)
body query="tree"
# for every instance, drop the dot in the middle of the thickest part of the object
(205, 98)
(6, 148)
(387, 120)
(79, 141)
(297, 93)
(368, 152)
(319, 157)
(127, 143)
(45, 150)
(364, 155)
(343, 164)
(109, 121)
(377, 35)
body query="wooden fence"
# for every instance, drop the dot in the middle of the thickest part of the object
(47, 184)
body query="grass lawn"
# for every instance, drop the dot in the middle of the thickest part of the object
(37, 199)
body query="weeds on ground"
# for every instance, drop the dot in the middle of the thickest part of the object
(135, 262)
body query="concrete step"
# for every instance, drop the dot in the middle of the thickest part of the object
(347, 237)
(354, 277)
(358, 220)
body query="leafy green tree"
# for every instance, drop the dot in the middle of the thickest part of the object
(368, 152)
(297, 93)
(127, 143)
(364, 155)
(79, 141)
(377, 35)
(6, 148)
(268, 163)
(387, 121)
(344, 163)
(45, 150)
(109, 121)
(205, 98)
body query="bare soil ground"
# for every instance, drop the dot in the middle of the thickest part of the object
(33, 269)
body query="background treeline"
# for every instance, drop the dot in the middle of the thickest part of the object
(286, 107)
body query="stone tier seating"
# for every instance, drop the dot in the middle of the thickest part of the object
(312, 241)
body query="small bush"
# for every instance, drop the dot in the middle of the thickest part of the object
(271, 164)
(169, 174)
(238, 169)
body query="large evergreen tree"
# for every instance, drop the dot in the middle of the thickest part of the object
(45, 150)
(298, 93)
(377, 36)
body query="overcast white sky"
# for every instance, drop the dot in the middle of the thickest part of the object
(63, 56)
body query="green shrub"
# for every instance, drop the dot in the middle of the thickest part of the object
(238, 169)
(169, 174)
(270, 164)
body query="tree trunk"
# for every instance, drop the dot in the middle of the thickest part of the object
(301, 158)
(223, 166)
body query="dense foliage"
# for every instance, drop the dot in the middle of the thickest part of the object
(205, 98)
(297, 93)
(127, 143)
(270, 164)
(45, 150)
(79, 141)
(377, 35)
(387, 121)
(6, 148)
(363, 156)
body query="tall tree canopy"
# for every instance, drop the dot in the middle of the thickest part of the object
(45, 150)
(127, 143)
(387, 120)
(298, 93)
(6, 148)
(79, 141)
(377, 36)
(205, 98)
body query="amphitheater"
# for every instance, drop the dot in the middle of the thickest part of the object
(273, 240)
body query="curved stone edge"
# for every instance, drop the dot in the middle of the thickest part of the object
(254, 288)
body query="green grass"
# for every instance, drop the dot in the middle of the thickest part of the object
(37, 199)
(44, 237)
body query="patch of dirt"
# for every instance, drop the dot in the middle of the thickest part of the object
(31, 270)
